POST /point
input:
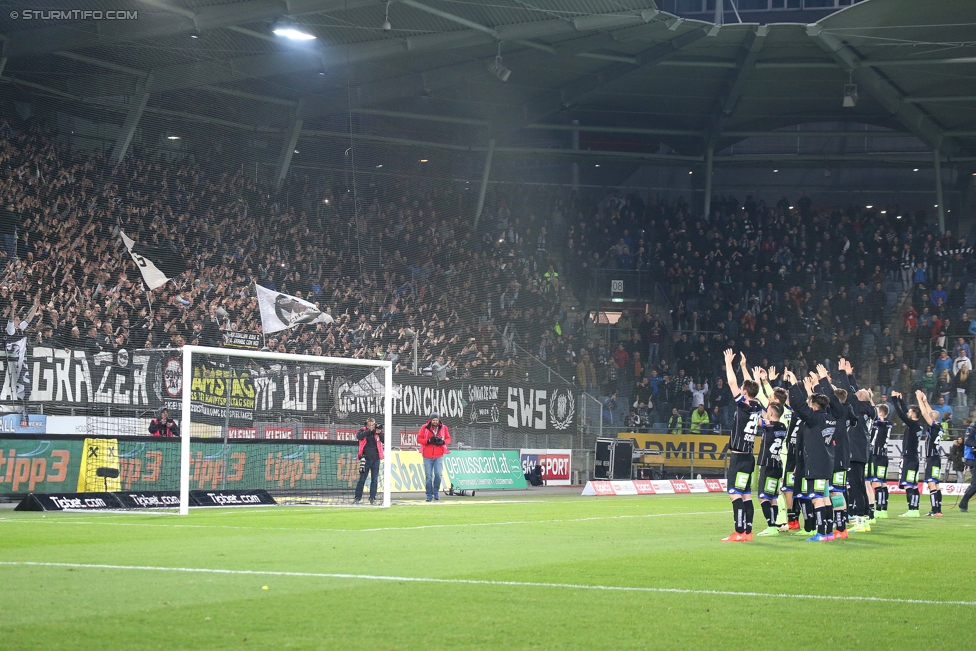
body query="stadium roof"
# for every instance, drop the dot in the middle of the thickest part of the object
(617, 66)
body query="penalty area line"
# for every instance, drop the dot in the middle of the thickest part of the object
(488, 583)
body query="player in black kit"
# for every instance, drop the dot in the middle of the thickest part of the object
(877, 472)
(859, 401)
(912, 417)
(771, 465)
(933, 455)
(745, 425)
(820, 412)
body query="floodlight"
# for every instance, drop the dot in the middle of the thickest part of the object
(292, 32)
(497, 68)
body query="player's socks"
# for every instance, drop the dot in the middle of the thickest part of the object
(750, 510)
(775, 507)
(738, 514)
(829, 519)
(820, 513)
(809, 515)
(870, 511)
(840, 519)
(938, 501)
(767, 509)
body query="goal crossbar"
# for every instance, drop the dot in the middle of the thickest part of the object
(187, 362)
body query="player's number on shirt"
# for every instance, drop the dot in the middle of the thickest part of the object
(752, 426)
(775, 447)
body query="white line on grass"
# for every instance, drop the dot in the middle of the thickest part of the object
(370, 529)
(519, 584)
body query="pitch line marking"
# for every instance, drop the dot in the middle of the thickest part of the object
(484, 582)
(370, 529)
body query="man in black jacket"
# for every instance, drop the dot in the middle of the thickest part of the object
(970, 456)
(370, 437)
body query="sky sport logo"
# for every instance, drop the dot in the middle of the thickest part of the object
(74, 14)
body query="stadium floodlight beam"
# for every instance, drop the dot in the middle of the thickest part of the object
(292, 32)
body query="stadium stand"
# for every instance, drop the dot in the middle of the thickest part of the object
(776, 281)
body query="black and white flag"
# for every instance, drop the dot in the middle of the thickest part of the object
(156, 263)
(281, 311)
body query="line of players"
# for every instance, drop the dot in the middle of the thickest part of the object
(836, 460)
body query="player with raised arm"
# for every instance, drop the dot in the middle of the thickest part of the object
(912, 417)
(770, 396)
(877, 472)
(859, 400)
(745, 425)
(933, 455)
(771, 465)
(820, 412)
(792, 466)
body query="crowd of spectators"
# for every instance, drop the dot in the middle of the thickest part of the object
(401, 266)
(784, 284)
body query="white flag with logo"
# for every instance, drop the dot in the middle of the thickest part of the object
(156, 263)
(282, 311)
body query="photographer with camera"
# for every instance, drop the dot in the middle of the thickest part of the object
(164, 425)
(370, 437)
(969, 455)
(433, 440)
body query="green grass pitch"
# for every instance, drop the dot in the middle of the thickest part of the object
(531, 572)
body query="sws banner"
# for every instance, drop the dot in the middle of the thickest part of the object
(244, 392)
(512, 406)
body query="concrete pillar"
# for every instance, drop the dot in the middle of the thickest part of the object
(288, 146)
(719, 18)
(709, 169)
(937, 159)
(484, 182)
(137, 106)
(575, 169)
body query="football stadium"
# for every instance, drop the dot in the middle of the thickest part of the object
(544, 324)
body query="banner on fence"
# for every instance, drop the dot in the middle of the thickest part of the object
(146, 380)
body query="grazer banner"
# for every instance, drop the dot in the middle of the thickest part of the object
(556, 465)
(707, 451)
(484, 469)
(146, 380)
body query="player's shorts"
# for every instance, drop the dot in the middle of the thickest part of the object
(788, 481)
(739, 475)
(816, 489)
(909, 473)
(933, 469)
(838, 481)
(769, 482)
(877, 468)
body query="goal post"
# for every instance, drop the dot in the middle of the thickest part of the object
(193, 412)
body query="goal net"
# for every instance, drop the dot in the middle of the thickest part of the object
(241, 426)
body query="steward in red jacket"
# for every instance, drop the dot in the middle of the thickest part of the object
(164, 425)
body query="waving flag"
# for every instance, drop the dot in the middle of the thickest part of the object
(156, 263)
(281, 311)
